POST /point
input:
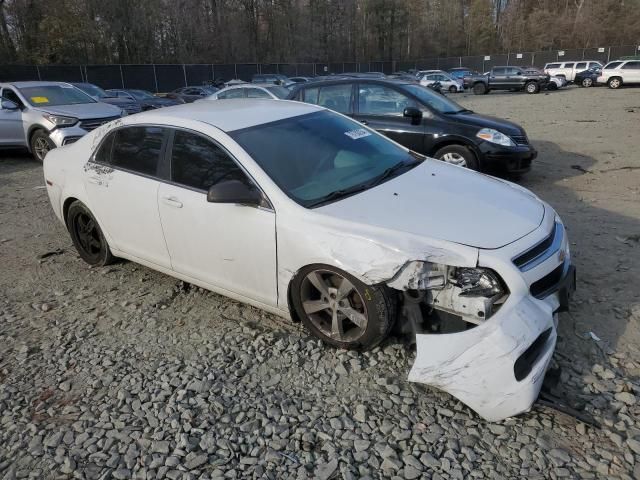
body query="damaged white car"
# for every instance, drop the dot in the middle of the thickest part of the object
(309, 215)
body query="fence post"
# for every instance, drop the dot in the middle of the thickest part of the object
(121, 76)
(155, 77)
(608, 54)
(213, 73)
(184, 73)
(38, 71)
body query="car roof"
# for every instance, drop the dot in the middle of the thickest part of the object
(252, 85)
(232, 114)
(33, 84)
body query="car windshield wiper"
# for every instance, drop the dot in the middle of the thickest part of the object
(463, 110)
(345, 192)
(393, 172)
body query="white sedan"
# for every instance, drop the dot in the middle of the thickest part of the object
(311, 216)
(250, 90)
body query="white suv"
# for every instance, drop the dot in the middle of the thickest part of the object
(614, 74)
(568, 70)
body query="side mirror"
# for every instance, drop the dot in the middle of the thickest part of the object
(234, 191)
(414, 114)
(9, 105)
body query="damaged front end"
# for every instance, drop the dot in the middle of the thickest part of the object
(472, 341)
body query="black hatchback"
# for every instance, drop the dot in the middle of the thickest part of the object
(426, 122)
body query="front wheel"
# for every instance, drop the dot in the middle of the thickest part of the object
(479, 89)
(453, 89)
(87, 236)
(532, 87)
(41, 144)
(458, 155)
(341, 310)
(614, 83)
(587, 82)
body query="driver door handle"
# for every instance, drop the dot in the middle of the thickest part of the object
(172, 202)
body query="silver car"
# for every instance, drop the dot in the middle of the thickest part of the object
(45, 115)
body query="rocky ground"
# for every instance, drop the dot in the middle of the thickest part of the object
(122, 372)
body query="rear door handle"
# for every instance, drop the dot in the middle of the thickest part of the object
(172, 202)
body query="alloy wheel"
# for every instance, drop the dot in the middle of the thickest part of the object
(88, 234)
(615, 83)
(41, 147)
(334, 305)
(587, 82)
(454, 158)
(531, 88)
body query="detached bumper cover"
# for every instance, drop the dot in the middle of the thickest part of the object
(497, 368)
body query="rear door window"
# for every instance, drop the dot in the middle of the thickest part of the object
(581, 66)
(612, 65)
(137, 149)
(569, 65)
(257, 93)
(553, 65)
(499, 71)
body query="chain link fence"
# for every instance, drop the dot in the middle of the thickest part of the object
(167, 77)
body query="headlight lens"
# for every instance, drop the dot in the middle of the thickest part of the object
(60, 120)
(477, 282)
(494, 136)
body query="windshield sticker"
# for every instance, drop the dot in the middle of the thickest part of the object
(39, 99)
(356, 134)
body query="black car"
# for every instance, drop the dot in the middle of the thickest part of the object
(101, 95)
(587, 78)
(191, 94)
(146, 100)
(425, 122)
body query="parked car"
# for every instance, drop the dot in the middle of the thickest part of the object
(191, 94)
(364, 74)
(461, 72)
(555, 83)
(367, 235)
(273, 78)
(618, 73)
(44, 115)
(569, 70)
(300, 79)
(426, 122)
(506, 78)
(251, 90)
(146, 100)
(447, 82)
(101, 95)
(588, 78)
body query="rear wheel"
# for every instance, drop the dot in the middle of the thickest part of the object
(615, 82)
(458, 155)
(453, 89)
(41, 144)
(587, 82)
(341, 310)
(532, 87)
(87, 236)
(479, 88)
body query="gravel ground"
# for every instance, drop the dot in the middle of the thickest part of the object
(122, 372)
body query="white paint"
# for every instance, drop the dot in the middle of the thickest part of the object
(436, 212)
(518, 55)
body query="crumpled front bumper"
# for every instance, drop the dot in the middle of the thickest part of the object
(479, 366)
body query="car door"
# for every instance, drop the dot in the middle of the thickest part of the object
(631, 72)
(11, 126)
(381, 107)
(498, 78)
(122, 184)
(228, 246)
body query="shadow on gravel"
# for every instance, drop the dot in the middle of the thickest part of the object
(12, 161)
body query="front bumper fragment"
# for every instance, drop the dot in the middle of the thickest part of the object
(480, 366)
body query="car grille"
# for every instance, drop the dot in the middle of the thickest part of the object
(541, 251)
(93, 123)
(547, 284)
(520, 139)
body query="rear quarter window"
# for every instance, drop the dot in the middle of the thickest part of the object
(612, 65)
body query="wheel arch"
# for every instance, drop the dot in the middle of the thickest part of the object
(448, 141)
(31, 132)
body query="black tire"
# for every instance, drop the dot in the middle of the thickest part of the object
(87, 236)
(40, 144)
(532, 87)
(614, 83)
(470, 160)
(453, 89)
(378, 304)
(479, 88)
(552, 86)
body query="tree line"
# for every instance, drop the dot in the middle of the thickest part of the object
(228, 31)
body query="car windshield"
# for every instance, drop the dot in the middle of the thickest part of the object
(54, 95)
(322, 157)
(280, 92)
(141, 94)
(93, 90)
(438, 102)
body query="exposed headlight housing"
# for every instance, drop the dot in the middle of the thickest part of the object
(494, 136)
(60, 120)
(477, 282)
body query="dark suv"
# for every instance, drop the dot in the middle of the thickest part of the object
(506, 78)
(426, 122)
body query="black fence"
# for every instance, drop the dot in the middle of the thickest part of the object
(167, 77)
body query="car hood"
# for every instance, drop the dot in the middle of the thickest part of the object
(84, 110)
(160, 101)
(485, 121)
(120, 102)
(445, 202)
